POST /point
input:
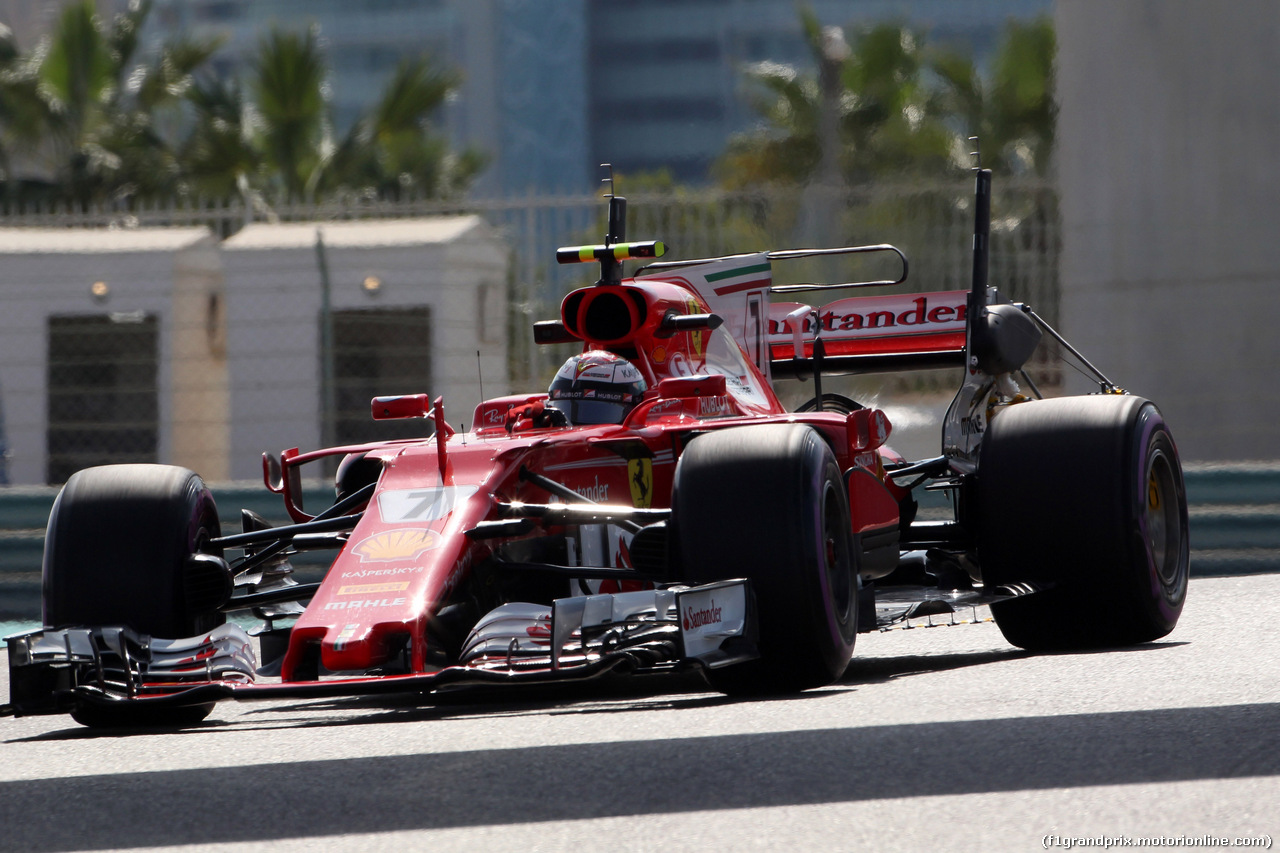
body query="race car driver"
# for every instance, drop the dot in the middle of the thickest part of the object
(596, 387)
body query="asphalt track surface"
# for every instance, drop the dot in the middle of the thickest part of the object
(938, 739)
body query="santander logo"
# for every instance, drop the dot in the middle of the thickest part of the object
(709, 615)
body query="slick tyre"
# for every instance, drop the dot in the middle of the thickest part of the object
(768, 503)
(1085, 497)
(116, 553)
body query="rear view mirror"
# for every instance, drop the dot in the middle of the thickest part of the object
(404, 406)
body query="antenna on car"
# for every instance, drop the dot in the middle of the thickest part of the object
(978, 338)
(615, 249)
(617, 211)
(608, 180)
(976, 153)
(610, 267)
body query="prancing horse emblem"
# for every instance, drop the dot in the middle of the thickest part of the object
(640, 477)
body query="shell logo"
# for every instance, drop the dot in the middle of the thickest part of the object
(396, 545)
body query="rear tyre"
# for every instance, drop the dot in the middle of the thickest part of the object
(1085, 495)
(768, 503)
(116, 553)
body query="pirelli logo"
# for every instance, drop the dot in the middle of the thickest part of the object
(372, 588)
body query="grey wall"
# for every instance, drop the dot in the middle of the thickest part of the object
(1167, 159)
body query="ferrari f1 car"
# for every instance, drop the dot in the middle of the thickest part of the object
(658, 510)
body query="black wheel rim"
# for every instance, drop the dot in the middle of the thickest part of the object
(836, 556)
(1163, 520)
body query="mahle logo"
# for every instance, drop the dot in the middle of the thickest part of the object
(396, 545)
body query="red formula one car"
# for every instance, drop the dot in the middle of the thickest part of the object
(658, 510)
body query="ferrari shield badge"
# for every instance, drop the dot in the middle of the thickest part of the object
(640, 476)
(697, 336)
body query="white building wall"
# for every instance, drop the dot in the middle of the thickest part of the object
(273, 318)
(238, 369)
(48, 272)
(272, 337)
(1169, 116)
(199, 396)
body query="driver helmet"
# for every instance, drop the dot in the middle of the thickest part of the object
(596, 387)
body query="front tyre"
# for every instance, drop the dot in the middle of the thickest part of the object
(1085, 496)
(116, 553)
(768, 503)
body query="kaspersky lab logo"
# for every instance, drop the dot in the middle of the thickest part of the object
(404, 544)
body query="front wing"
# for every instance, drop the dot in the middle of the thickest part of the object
(576, 639)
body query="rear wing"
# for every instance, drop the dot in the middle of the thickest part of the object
(849, 335)
(973, 328)
(868, 333)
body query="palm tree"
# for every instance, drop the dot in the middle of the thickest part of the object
(393, 150)
(1025, 112)
(21, 114)
(273, 139)
(290, 116)
(104, 125)
(894, 121)
(85, 108)
(887, 118)
(1013, 114)
(903, 107)
(217, 156)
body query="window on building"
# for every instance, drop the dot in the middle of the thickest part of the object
(703, 50)
(379, 352)
(102, 399)
(221, 10)
(664, 110)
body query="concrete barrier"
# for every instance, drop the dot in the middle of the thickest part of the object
(1235, 526)
(24, 514)
(1235, 518)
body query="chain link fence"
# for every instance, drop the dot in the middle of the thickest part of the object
(931, 222)
(102, 401)
(101, 371)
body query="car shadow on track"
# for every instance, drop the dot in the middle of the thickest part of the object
(878, 670)
(325, 798)
(615, 695)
